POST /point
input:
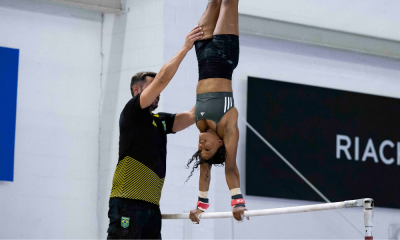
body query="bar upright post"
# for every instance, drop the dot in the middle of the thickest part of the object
(368, 215)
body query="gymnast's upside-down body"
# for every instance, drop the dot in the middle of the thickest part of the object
(215, 113)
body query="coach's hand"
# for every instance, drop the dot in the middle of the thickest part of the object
(238, 213)
(194, 35)
(194, 215)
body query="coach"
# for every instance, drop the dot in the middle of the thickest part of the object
(139, 177)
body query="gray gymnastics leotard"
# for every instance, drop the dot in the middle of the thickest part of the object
(213, 106)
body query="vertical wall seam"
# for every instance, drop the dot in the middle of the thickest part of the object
(100, 117)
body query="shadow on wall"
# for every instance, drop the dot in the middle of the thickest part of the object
(55, 8)
(319, 52)
(394, 231)
(108, 114)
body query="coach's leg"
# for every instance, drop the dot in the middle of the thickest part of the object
(210, 18)
(152, 229)
(228, 21)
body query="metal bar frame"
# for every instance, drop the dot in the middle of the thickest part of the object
(366, 203)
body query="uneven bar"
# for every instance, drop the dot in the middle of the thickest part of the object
(366, 203)
(274, 211)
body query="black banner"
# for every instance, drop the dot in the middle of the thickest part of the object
(347, 144)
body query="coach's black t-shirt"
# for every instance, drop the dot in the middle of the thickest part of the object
(141, 165)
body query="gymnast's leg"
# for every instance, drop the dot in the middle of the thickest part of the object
(210, 17)
(228, 21)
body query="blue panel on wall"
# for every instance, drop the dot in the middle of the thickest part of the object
(8, 108)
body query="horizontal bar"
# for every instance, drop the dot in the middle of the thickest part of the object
(274, 211)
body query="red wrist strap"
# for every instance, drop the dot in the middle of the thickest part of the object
(237, 201)
(202, 206)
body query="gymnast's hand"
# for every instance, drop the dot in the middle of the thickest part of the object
(238, 213)
(194, 215)
(194, 35)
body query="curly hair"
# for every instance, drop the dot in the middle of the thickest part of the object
(217, 160)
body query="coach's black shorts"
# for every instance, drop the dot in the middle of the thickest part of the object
(133, 219)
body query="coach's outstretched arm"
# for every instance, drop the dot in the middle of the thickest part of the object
(168, 71)
(184, 120)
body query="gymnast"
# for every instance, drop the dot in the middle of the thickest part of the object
(215, 113)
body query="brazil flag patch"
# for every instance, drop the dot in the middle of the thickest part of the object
(125, 222)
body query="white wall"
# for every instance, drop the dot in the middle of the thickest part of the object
(54, 193)
(75, 69)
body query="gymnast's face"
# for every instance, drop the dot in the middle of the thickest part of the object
(209, 142)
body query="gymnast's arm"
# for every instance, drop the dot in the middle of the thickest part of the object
(183, 120)
(169, 69)
(204, 185)
(205, 177)
(231, 140)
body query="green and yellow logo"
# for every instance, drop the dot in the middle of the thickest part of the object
(165, 126)
(125, 222)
